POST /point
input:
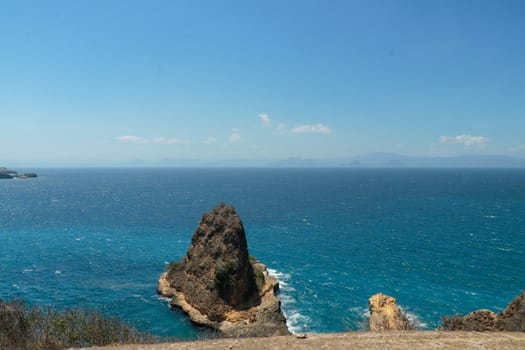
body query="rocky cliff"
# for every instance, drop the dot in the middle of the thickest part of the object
(219, 286)
(512, 319)
(385, 315)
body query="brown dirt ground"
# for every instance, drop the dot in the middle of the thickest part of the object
(352, 340)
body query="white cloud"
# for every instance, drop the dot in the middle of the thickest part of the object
(235, 137)
(267, 122)
(311, 129)
(465, 140)
(210, 140)
(154, 140)
(131, 139)
(169, 141)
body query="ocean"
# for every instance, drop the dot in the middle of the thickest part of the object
(442, 241)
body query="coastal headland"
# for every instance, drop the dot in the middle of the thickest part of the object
(6, 173)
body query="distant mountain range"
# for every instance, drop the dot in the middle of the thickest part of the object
(372, 160)
(393, 160)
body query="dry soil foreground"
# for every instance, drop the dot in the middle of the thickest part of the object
(352, 340)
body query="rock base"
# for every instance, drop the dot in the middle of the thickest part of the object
(265, 319)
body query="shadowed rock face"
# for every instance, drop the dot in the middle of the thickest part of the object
(477, 321)
(217, 285)
(512, 319)
(385, 315)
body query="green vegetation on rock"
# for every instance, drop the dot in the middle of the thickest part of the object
(223, 275)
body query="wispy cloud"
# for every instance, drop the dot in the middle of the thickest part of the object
(235, 137)
(300, 129)
(154, 140)
(311, 129)
(465, 140)
(169, 140)
(210, 140)
(265, 118)
(131, 139)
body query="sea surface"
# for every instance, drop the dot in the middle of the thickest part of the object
(440, 241)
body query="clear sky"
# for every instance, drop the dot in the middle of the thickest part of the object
(109, 82)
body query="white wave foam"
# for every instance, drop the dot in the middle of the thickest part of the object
(504, 249)
(164, 299)
(361, 314)
(414, 319)
(295, 321)
(279, 275)
(141, 298)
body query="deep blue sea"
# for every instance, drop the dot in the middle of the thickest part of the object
(440, 241)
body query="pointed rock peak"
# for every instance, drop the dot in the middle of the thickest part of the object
(220, 243)
(218, 285)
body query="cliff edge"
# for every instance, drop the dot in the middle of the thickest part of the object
(219, 286)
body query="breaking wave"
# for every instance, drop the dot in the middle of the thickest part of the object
(295, 320)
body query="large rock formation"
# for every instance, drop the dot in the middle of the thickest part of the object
(219, 286)
(512, 319)
(385, 315)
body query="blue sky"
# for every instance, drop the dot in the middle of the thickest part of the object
(114, 82)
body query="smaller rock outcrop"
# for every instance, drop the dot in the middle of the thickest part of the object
(219, 285)
(385, 314)
(512, 319)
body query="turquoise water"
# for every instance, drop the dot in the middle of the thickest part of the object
(440, 241)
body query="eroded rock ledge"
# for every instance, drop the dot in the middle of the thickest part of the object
(219, 285)
(512, 319)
